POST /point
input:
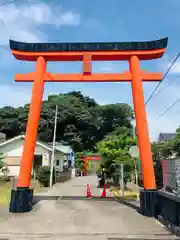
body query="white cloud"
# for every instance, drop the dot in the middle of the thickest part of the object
(22, 22)
(110, 67)
(44, 14)
(68, 18)
(39, 13)
(17, 96)
(14, 96)
(107, 67)
(167, 62)
(176, 67)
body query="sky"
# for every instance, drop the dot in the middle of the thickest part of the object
(95, 20)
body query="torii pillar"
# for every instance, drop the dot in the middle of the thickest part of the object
(134, 52)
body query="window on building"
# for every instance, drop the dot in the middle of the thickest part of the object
(57, 162)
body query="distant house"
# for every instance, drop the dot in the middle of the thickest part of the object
(163, 137)
(12, 150)
(68, 152)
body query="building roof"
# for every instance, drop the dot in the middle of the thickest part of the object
(166, 136)
(62, 148)
(40, 143)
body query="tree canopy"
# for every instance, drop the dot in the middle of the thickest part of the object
(114, 150)
(82, 122)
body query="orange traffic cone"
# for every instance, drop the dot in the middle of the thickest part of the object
(104, 192)
(88, 194)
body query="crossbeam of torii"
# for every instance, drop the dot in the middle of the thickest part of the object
(41, 53)
(84, 77)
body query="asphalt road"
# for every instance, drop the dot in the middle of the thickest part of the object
(72, 217)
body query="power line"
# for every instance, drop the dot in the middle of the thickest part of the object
(6, 28)
(171, 83)
(166, 73)
(4, 4)
(1, 19)
(167, 110)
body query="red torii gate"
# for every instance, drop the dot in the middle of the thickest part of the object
(41, 53)
(86, 158)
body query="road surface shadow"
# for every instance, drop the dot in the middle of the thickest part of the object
(39, 198)
(107, 199)
(130, 203)
(82, 185)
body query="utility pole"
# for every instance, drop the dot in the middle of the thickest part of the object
(134, 136)
(134, 129)
(53, 149)
(122, 180)
(135, 165)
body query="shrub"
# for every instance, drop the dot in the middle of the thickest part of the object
(1, 162)
(44, 176)
(99, 170)
(127, 177)
(116, 177)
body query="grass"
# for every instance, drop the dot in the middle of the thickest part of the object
(5, 191)
(128, 194)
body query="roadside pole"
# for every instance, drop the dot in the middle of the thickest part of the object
(136, 177)
(53, 149)
(122, 180)
(135, 155)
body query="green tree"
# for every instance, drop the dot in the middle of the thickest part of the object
(114, 150)
(81, 121)
(175, 143)
(78, 160)
(163, 150)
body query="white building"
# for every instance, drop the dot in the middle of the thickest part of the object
(68, 151)
(12, 150)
